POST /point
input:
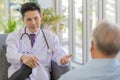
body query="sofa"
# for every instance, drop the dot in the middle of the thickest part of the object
(57, 71)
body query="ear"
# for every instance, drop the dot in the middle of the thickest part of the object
(92, 46)
(41, 16)
(92, 49)
(23, 19)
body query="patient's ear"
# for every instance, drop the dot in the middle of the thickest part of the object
(92, 48)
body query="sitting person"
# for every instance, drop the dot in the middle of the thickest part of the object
(34, 47)
(105, 45)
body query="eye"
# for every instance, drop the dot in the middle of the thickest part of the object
(36, 18)
(28, 19)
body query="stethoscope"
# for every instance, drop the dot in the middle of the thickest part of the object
(25, 33)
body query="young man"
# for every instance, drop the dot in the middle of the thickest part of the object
(105, 46)
(31, 46)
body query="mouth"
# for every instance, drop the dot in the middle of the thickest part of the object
(33, 27)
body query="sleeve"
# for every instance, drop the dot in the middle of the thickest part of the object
(58, 52)
(12, 54)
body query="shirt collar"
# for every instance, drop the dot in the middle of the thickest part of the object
(104, 62)
(36, 33)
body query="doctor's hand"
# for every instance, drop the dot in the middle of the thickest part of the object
(29, 60)
(66, 59)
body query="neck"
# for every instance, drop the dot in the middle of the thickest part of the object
(98, 54)
(31, 31)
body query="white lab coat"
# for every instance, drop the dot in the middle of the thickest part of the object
(17, 47)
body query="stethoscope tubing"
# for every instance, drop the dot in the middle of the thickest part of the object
(25, 33)
(45, 38)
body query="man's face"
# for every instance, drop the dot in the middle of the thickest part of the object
(32, 20)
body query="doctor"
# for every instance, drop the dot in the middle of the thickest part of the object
(33, 46)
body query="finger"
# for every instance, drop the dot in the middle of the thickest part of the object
(35, 60)
(31, 65)
(68, 56)
(62, 61)
(67, 60)
(36, 63)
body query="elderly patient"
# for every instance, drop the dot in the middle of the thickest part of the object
(105, 45)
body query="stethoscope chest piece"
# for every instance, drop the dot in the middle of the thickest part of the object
(49, 51)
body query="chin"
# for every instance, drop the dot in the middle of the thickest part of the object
(33, 29)
(36, 29)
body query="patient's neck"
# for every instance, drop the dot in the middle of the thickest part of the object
(100, 55)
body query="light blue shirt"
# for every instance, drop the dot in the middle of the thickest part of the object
(96, 69)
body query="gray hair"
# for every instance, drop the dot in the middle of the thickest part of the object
(107, 37)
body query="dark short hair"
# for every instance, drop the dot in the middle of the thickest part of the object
(29, 6)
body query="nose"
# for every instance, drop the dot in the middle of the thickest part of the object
(33, 22)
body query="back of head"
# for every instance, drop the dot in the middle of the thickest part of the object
(29, 6)
(107, 38)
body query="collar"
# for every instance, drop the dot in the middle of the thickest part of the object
(104, 62)
(36, 33)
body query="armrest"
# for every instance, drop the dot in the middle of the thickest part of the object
(57, 70)
(3, 64)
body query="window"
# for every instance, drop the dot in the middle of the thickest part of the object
(15, 6)
(81, 18)
(65, 35)
(72, 36)
(110, 10)
(93, 13)
(78, 54)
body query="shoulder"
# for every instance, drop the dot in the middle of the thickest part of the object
(12, 35)
(15, 34)
(49, 34)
